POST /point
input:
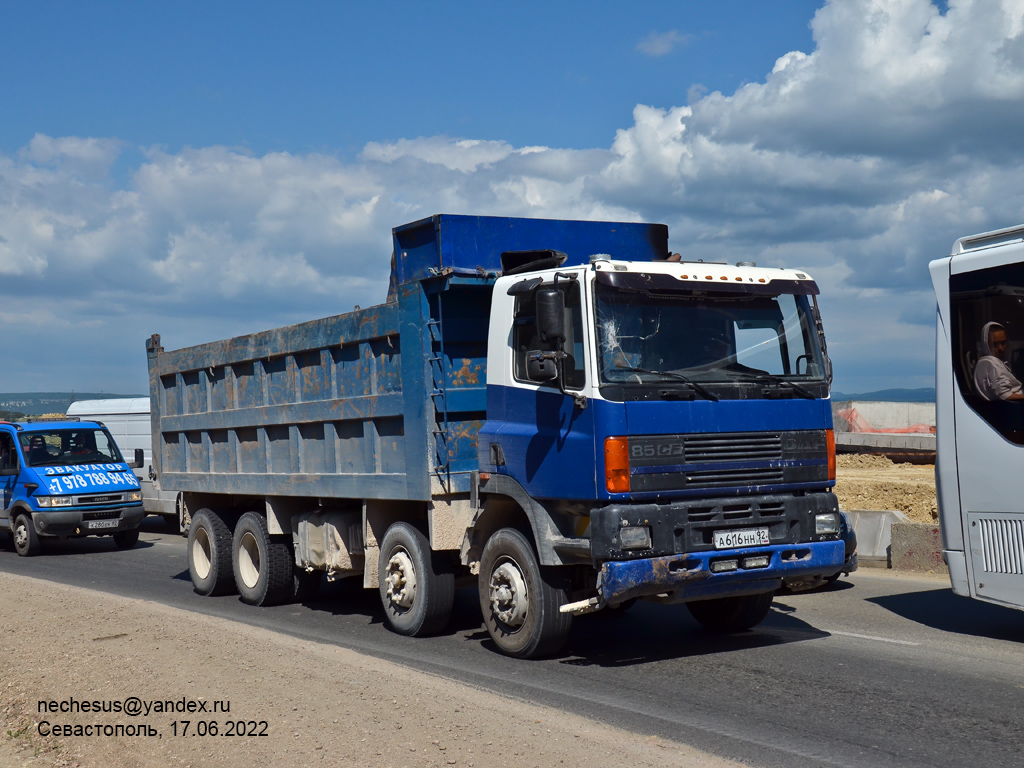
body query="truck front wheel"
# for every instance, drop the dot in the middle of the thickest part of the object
(520, 599)
(417, 587)
(209, 554)
(262, 565)
(26, 540)
(731, 614)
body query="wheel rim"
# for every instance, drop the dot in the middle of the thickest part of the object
(249, 560)
(20, 536)
(510, 599)
(202, 553)
(401, 580)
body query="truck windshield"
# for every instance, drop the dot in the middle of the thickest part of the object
(62, 447)
(644, 337)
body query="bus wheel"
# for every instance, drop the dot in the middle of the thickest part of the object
(520, 599)
(209, 554)
(417, 586)
(26, 540)
(263, 566)
(731, 614)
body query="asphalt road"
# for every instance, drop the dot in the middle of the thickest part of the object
(879, 670)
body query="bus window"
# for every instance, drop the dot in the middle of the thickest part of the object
(987, 310)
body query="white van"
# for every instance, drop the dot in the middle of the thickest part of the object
(127, 420)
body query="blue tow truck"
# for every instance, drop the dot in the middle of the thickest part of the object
(564, 410)
(65, 478)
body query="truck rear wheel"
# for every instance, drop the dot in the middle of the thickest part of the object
(520, 599)
(209, 554)
(731, 614)
(263, 566)
(417, 587)
(26, 540)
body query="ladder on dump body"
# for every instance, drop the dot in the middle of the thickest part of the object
(439, 397)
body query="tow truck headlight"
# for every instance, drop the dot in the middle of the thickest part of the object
(135, 496)
(825, 523)
(635, 537)
(53, 501)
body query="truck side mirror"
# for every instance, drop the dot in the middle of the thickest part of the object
(541, 366)
(551, 314)
(140, 459)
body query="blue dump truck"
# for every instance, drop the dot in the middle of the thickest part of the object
(562, 409)
(66, 478)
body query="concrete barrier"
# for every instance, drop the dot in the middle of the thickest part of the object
(873, 528)
(917, 547)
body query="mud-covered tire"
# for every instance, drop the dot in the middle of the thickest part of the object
(520, 599)
(307, 585)
(26, 540)
(209, 554)
(417, 585)
(731, 614)
(263, 566)
(126, 539)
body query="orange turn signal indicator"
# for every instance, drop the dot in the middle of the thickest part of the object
(616, 464)
(830, 444)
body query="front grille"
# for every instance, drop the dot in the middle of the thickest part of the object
(105, 499)
(101, 515)
(704, 448)
(731, 477)
(1002, 546)
(662, 464)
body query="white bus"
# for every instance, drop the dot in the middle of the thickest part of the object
(979, 367)
(127, 419)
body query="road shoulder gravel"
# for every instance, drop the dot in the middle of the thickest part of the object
(322, 705)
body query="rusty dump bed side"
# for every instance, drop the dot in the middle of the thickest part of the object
(342, 407)
(379, 403)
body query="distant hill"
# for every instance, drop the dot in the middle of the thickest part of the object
(37, 403)
(925, 395)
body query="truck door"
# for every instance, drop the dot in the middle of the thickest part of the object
(547, 439)
(8, 471)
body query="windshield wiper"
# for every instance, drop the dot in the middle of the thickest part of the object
(670, 374)
(778, 380)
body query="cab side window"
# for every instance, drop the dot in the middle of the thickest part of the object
(526, 338)
(8, 455)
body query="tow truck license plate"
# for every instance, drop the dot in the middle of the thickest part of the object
(751, 537)
(113, 524)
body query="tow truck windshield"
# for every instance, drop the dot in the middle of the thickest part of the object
(63, 447)
(758, 345)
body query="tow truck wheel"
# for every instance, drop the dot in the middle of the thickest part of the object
(417, 586)
(520, 599)
(732, 614)
(26, 540)
(209, 554)
(126, 539)
(263, 566)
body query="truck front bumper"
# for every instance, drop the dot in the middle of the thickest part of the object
(87, 522)
(685, 577)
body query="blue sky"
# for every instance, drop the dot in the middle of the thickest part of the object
(205, 170)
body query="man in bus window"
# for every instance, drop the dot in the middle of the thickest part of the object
(992, 377)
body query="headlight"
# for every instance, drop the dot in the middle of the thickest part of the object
(53, 501)
(635, 537)
(135, 496)
(825, 523)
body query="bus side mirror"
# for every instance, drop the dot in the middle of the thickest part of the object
(551, 314)
(140, 459)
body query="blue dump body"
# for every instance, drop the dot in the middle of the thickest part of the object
(568, 476)
(371, 404)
